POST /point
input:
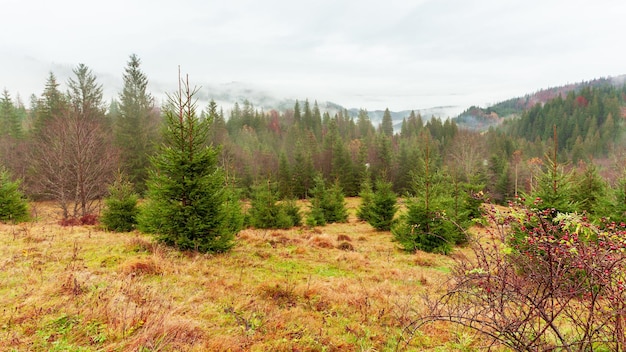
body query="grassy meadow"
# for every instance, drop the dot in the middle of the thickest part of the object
(342, 287)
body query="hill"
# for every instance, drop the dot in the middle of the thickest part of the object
(480, 119)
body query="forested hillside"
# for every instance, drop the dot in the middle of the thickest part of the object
(292, 146)
(480, 119)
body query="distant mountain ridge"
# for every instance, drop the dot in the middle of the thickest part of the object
(227, 94)
(472, 118)
(480, 119)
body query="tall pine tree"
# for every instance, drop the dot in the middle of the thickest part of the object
(136, 128)
(189, 205)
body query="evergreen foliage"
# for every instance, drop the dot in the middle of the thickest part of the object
(136, 128)
(555, 188)
(387, 124)
(189, 205)
(424, 228)
(427, 225)
(53, 103)
(383, 207)
(13, 204)
(617, 201)
(266, 212)
(589, 191)
(120, 212)
(586, 119)
(364, 211)
(10, 123)
(327, 205)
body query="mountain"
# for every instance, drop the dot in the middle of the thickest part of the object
(225, 95)
(480, 119)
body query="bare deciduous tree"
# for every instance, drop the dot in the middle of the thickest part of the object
(74, 161)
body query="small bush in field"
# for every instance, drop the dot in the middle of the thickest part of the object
(120, 213)
(13, 205)
(266, 212)
(327, 205)
(383, 207)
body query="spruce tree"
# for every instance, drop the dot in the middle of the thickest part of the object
(284, 177)
(364, 211)
(136, 129)
(266, 212)
(589, 191)
(426, 225)
(13, 205)
(10, 123)
(189, 205)
(327, 205)
(617, 206)
(384, 206)
(555, 189)
(387, 124)
(53, 103)
(120, 212)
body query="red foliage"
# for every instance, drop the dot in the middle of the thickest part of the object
(274, 124)
(582, 101)
(537, 276)
(87, 219)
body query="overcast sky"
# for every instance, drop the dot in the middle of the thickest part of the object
(362, 54)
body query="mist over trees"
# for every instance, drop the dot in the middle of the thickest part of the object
(68, 145)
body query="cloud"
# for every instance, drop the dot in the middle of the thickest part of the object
(396, 54)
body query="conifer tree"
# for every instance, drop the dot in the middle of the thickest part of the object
(85, 95)
(554, 187)
(426, 225)
(73, 156)
(10, 124)
(53, 103)
(13, 204)
(303, 172)
(364, 124)
(189, 205)
(136, 129)
(384, 206)
(387, 124)
(589, 191)
(364, 211)
(267, 213)
(327, 205)
(120, 212)
(285, 188)
(617, 205)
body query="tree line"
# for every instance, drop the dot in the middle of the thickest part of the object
(72, 147)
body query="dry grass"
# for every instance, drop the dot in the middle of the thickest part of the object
(343, 287)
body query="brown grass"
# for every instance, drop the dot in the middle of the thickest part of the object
(78, 288)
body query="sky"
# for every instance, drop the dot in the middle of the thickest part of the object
(374, 55)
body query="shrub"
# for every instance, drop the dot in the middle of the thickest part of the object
(540, 281)
(327, 205)
(364, 211)
(120, 213)
(383, 207)
(13, 205)
(267, 213)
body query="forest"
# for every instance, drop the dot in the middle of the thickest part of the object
(290, 148)
(557, 165)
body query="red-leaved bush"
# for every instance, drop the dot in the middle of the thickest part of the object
(539, 280)
(87, 219)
